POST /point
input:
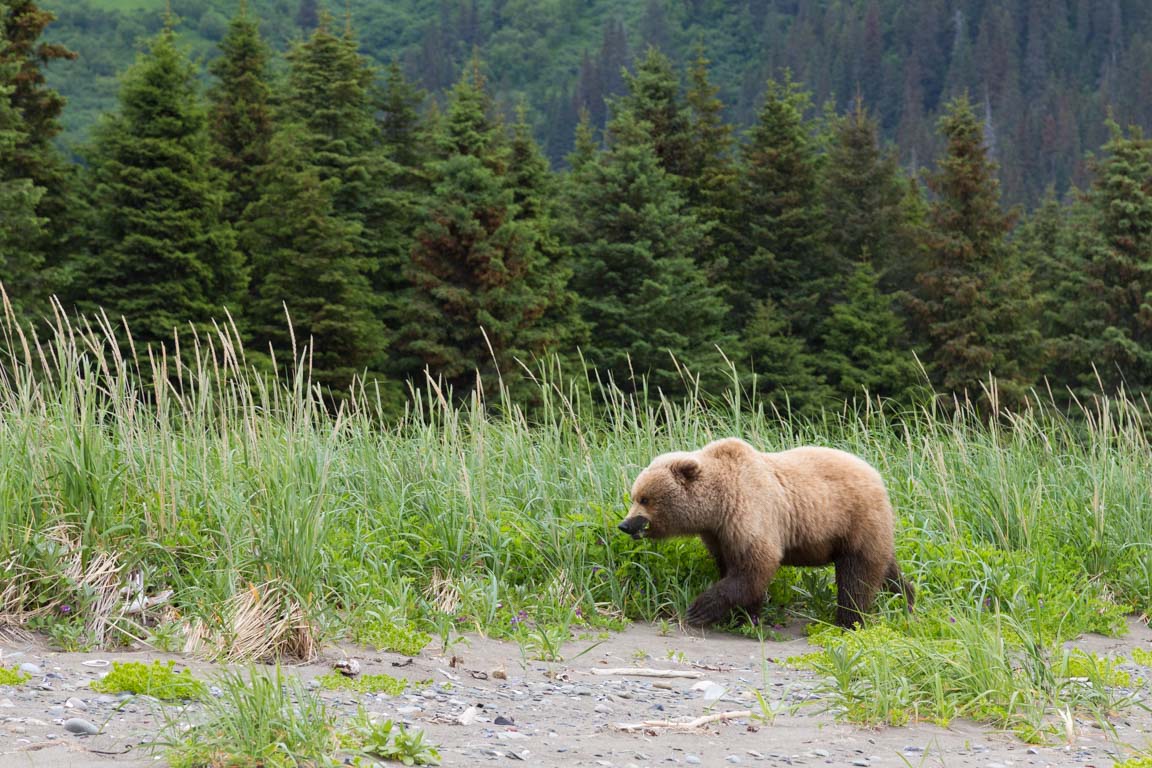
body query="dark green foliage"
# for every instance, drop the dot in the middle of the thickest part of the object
(400, 124)
(864, 193)
(653, 99)
(164, 256)
(783, 372)
(308, 269)
(241, 111)
(315, 249)
(19, 223)
(779, 251)
(488, 276)
(644, 298)
(1114, 335)
(971, 305)
(1047, 73)
(865, 345)
(44, 217)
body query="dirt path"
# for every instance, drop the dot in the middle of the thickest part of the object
(561, 714)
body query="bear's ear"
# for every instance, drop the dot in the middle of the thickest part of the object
(685, 470)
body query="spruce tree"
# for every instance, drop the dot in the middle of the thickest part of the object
(709, 165)
(865, 345)
(780, 274)
(334, 156)
(653, 99)
(779, 251)
(309, 270)
(1114, 333)
(164, 255)
(241, 111)
(19, 224)
(864, 194)
(401, 128)
(971, 307)
(32, 167)
(781, 371)
(710, 168)
(643, 297)
(487, 274)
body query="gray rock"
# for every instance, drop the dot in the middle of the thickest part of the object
(75, 703)
(79, 725)
(692, 760)
(733, 758)
(603, 709)
(57, 711)
(6, 703)
(30, 669)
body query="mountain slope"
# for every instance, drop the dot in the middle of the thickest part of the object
(1045, 72)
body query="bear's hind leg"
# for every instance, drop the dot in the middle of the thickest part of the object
(857, 582)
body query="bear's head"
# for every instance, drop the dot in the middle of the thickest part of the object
(665, 498)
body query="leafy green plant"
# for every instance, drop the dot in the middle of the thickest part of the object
(385, 635)
(985, 666)
(261, 720)
(393, 686)
(156, 679)
(13, 676)
(389, 740)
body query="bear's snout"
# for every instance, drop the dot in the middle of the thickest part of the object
(634, 526)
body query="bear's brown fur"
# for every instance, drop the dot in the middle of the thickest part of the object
(757, 511)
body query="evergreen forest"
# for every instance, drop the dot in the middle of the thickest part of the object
(818, 201)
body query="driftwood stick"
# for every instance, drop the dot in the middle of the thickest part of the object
(646, 672)
(685, 725)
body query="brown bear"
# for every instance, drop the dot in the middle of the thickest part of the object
(757, 511)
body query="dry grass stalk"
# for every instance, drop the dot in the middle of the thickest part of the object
(442, 592)
(263, 622)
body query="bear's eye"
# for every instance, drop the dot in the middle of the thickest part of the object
(643, 501)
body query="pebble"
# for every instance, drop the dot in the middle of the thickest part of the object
(75, 703)
(106, 699)
(80, 726)
(30, 669)
(692, 760)
(603, 709)
(57, 711)
(733, 758)
(819, 753)
(6, 703)
(860, 763)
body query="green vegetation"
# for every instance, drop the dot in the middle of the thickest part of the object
(156, 679)
(384, 635)
(13, 676)
(1046, 76)
(261, 721)
(334, 681)
(389, 740)
(269, 720)
(983, 665)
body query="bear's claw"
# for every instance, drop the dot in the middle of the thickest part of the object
(706, 610)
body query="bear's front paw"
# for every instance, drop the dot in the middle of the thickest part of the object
(706, 610)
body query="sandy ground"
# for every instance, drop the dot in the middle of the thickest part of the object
(561, 714)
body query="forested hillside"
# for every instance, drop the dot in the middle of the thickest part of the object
(405, 234)
(1043, 74)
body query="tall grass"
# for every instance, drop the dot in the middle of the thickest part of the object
(186, 469)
